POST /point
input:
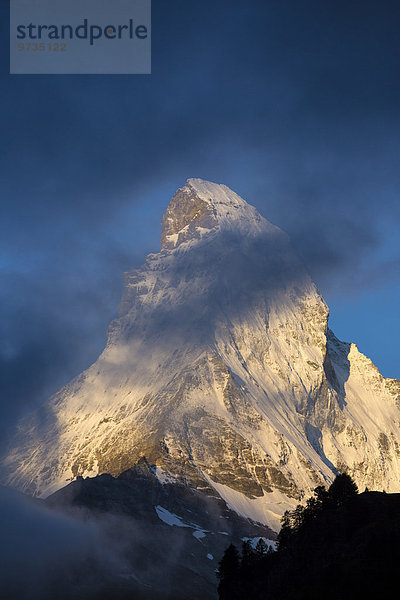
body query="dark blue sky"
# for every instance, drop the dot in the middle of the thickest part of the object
(295, 105)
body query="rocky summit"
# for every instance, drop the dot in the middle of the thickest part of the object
(222, 373)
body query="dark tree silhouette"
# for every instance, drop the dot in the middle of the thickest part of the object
(327, 549)
(342, 490)
(339, 493)
(247, 555)
(261, 548)
(228, 574)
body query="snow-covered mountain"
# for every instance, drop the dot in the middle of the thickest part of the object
(222, 372)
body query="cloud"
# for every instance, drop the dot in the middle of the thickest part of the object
(72, 552)
(293, 105)
(45, 554)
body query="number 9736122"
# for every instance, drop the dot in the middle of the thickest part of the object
(42, 47)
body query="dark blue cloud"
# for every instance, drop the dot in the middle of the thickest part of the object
(45, 554)
(294, 105)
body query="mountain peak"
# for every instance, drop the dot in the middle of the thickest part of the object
(201, 208)
(221, 372)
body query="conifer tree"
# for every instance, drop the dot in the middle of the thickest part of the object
(342, 489)
(228, 574)
(261, 548)
(248, 557)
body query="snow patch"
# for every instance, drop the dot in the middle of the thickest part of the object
(169, 518)
(199, 534)
(267, 509)
(163, 476)
(254, 541)
(173, 520)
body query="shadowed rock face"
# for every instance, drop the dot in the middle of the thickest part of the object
(222, 371)
(185, 214)
(172, 535)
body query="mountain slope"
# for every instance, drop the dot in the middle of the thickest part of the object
(221, 371)
(170, 537)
